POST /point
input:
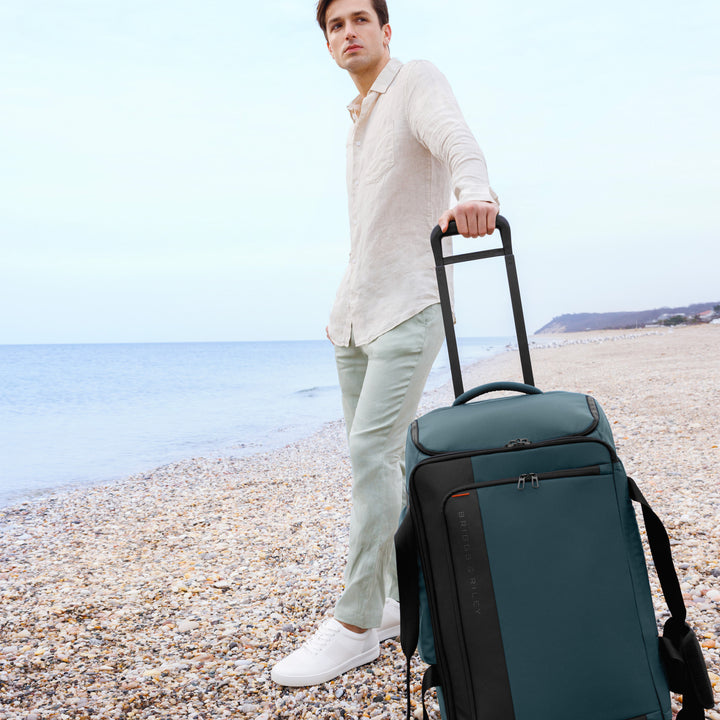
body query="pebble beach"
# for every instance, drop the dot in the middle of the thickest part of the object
(171, 594)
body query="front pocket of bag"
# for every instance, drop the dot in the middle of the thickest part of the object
(544, 553)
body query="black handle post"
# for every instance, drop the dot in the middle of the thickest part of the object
(442, 261)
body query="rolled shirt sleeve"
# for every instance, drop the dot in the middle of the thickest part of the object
(437, 122)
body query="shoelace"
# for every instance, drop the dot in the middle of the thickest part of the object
(321, 638)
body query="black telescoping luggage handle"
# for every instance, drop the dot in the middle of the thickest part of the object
(441, 261)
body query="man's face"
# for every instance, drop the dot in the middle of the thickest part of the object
(355, 39)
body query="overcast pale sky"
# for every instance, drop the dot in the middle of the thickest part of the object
(174, 171)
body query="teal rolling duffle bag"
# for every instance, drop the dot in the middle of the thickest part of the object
(521, 568)
(532, 598)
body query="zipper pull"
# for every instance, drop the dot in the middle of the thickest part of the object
(532, 477)
(520, 442)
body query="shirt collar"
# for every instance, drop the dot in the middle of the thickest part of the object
(381, 84)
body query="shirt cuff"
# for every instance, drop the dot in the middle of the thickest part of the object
(478, 196)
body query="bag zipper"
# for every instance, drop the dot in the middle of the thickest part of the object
(514, 446)
(534, 479)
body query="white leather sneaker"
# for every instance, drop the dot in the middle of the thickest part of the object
(331, 651)
(390, 624)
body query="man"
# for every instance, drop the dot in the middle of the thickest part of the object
(409, 147)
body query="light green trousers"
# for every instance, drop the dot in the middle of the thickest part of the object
(382, 383)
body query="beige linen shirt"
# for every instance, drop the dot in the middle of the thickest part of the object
(408, 148)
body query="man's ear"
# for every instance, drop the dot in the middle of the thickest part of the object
(387, 32)
(330, 50)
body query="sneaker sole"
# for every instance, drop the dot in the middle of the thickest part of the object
(330, 674)
(388, 633)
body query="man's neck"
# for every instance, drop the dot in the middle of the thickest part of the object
(364, 81)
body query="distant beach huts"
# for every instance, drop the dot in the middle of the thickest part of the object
(669, 319)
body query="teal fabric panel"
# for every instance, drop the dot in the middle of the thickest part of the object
(604, 429)
(495, 422)
(541, 597)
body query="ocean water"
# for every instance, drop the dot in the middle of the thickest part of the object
(83, 414)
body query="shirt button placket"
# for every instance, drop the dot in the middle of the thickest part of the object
(357, 145)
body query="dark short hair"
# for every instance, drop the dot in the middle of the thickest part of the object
(380, 7)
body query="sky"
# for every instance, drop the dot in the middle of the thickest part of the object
(174, 170)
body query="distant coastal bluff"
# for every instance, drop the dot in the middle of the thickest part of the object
(660, 317)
